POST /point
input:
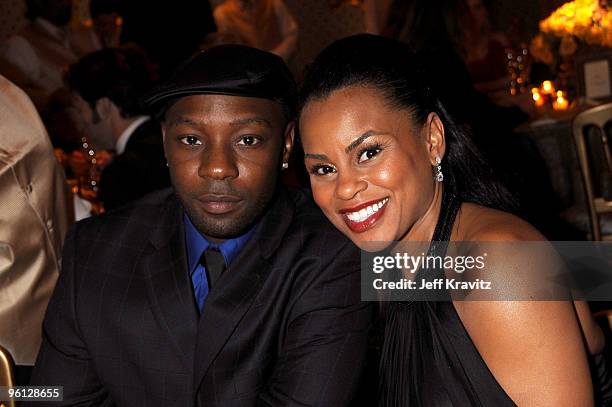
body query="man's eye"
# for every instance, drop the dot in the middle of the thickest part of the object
(249, 141)
(323, 170)
(190, 140)
(368, 154)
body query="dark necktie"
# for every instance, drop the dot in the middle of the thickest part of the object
(214, 264)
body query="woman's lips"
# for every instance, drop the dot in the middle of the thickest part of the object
(364, 216)
(219, 204)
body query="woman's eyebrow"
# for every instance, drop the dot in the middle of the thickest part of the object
(360, 140)
(321, 157)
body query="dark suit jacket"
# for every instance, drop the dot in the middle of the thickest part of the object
(284, 324)
(140, 169)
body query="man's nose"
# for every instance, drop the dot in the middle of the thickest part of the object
(218, 162)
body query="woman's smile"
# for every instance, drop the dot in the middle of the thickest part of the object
(363, 217)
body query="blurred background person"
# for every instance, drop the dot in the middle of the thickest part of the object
(107, 21)
(107, 86)
(425, 27)
(376, 14)
(103, 29)
(263, 24)
(35, 57)
(34, 218)
(483, 50)
(168, 31)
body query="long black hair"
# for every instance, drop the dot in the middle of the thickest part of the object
(393, 69)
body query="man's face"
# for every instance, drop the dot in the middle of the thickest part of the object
(225, 155)
(91, 122)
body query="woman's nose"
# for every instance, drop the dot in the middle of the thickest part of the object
(349, 185)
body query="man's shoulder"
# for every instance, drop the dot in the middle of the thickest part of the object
(305, 206)
(142, 215)
(311, 225)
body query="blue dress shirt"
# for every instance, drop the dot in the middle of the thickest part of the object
(196, 244)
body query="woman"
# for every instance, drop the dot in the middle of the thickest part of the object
(376, 137)
(482, 48)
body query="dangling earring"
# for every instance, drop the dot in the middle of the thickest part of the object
(439, 177)
(285, 166)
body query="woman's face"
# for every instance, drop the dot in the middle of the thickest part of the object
(370, 166)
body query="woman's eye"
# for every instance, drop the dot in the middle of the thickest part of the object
(323, 170)
(190, 140)
(249, 141)
(368, 154)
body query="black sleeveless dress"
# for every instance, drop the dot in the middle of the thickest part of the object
(428, 358)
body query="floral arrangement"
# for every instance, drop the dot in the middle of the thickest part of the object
(579, 21)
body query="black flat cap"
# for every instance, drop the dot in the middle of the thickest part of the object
(234, 70)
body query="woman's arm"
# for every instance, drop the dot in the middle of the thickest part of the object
(535, 348)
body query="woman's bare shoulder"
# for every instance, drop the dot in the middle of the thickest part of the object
(479, 223)
(519, 340)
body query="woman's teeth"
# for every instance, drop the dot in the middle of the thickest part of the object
(363, 214)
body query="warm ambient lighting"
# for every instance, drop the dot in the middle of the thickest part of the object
(561, 102)
(548, 88)
(587, 20)
(546, 95)
(537, 98)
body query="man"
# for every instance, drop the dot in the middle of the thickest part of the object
(34, 219)
(234, 292)
(107, 85)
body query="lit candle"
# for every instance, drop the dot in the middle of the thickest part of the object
(548, 88)
(561, 103)
(537, 98)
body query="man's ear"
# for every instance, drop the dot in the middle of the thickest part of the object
(103, 110)
(435, 137)
(163, 130)
(288, 139)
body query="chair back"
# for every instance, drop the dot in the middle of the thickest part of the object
(6, 373)
(599, 117)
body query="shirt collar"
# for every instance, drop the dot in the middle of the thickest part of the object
(197, 244)
(127, 133)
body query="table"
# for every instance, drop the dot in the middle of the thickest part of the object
(554, 141)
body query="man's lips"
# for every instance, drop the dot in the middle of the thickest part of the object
(219, 204)
(362, 217)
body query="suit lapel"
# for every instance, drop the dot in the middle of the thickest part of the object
(169, 286)
(237, 288)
